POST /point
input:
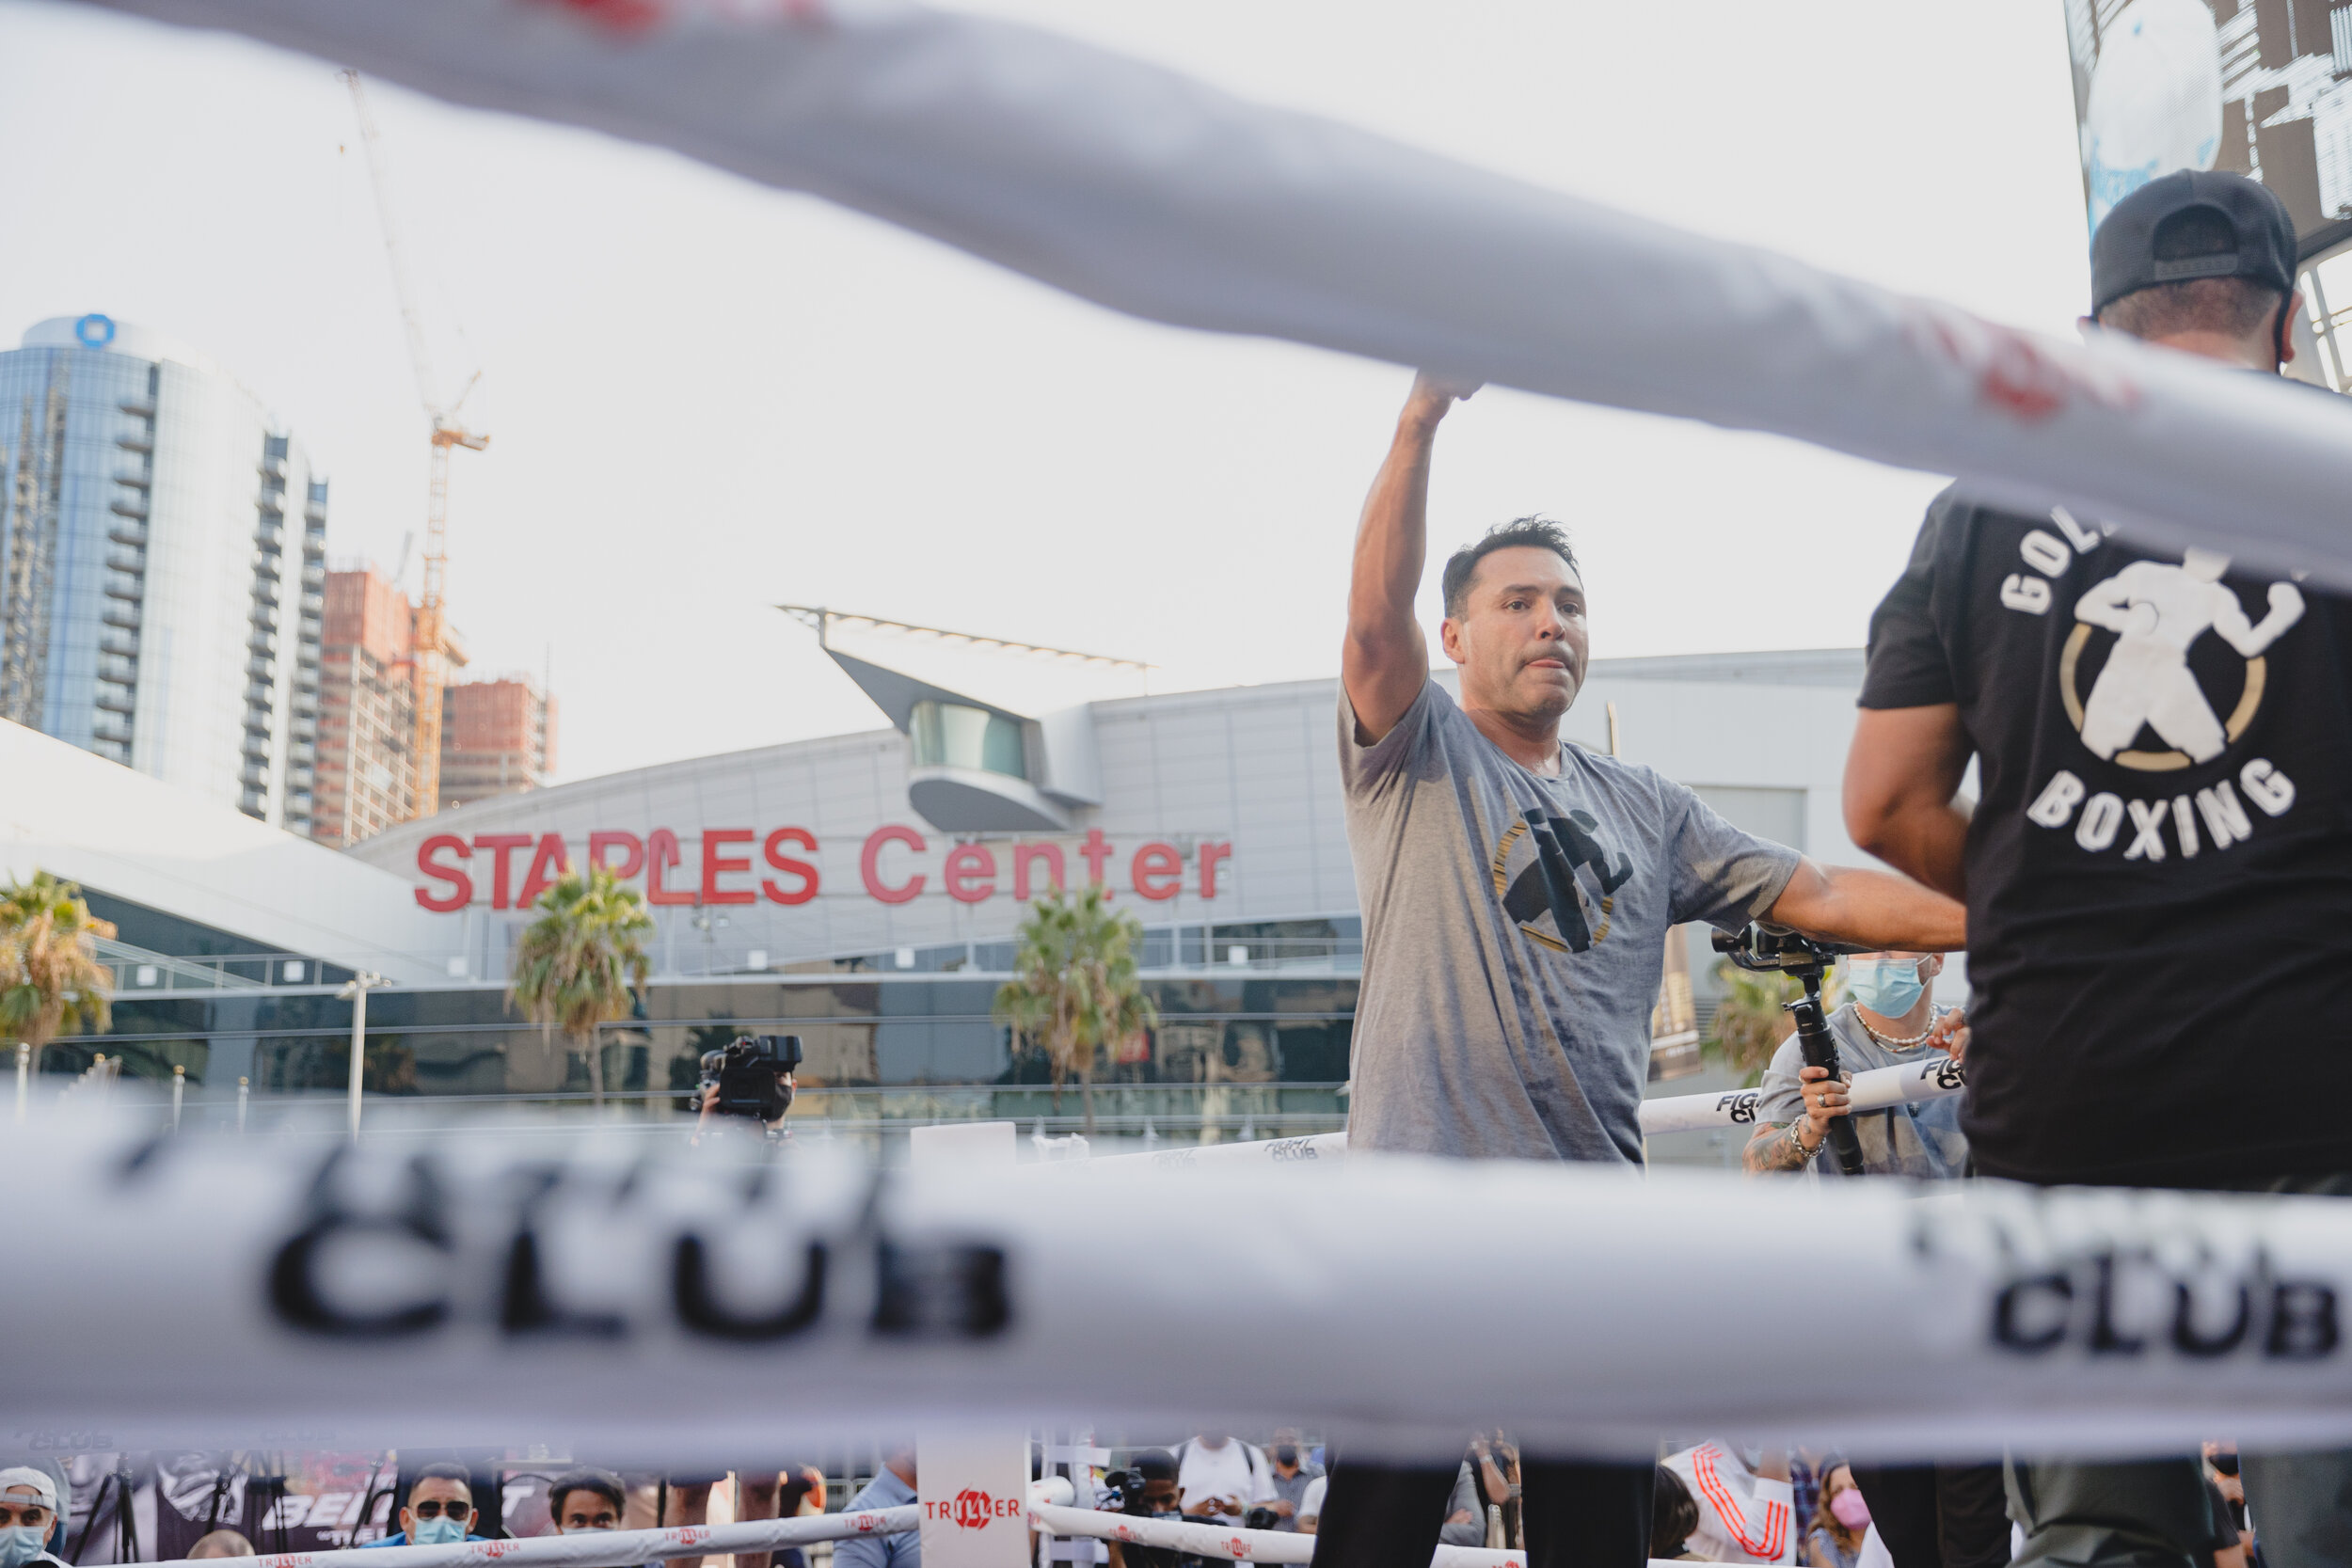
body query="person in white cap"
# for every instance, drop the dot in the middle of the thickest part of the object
(28, 1512)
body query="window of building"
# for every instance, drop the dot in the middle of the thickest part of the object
(950, 735)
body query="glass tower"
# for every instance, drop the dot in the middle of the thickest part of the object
(162, 561)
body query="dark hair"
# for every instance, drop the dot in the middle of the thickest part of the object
(445, 1470)
(604, 1484)
(1673, 1517)
(1156, 1463)
(1538, 532)
(2235, 307)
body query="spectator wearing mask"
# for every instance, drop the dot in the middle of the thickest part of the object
(1673, 1518)
(2158, 872)
(1221, 1478)
(439, 1507)
(28, 1512)
(1160, 1501)
(1929, 1515)
(1889, 1019)
(221, 1542)
(1840, 1524)
(1292, 1473)
(893, 1488)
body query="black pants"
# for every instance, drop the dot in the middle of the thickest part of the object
(1576, 1515)
(1938, 1516)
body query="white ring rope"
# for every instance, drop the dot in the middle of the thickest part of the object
(1935, 1077)
(1228, 1542)
(1145, 191)
(1876, 1090)
(685, 1310)
(612, 1548)
(1240, 1545)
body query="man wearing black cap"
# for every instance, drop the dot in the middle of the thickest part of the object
(2158, 872)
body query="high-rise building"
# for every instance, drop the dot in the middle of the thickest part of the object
(162, 557)
(497, 738)
(367, 770)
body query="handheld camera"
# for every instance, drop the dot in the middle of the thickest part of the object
(1776, 952)
(748, 1072)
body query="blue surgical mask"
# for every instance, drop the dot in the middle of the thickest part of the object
(1888, 987)
(19, 1544)
(443, 1531)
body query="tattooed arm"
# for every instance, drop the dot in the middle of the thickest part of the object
(1769, 1151)
(1772, 1149)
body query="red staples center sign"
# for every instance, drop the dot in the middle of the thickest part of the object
(896, 865)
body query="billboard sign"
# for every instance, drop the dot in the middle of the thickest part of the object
(2262, 88)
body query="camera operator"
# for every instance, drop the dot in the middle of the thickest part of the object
(1146, 1489)
(1517, 896)
(1889, 1019)
(749, 1079)
(2159, 873)
(1952, 1515)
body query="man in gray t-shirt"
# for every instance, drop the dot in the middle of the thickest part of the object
(1516, 894)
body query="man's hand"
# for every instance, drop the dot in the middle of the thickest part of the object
(1825, 1100)
(1385, 661)
(1951, 1033)
(1228, 1504)
(1283, 1508)
(1432, 395)
(1870, 909)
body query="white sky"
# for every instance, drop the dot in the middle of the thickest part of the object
(706, 397)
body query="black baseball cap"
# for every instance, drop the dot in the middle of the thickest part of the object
(2193, 223)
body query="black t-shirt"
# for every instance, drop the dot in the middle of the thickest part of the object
(2160, 864)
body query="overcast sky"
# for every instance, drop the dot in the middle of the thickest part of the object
(706, 397)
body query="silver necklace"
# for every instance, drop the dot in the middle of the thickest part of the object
(1912, 1044)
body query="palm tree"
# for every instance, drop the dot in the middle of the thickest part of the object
(1075, 988)
(583, 961)
(51, 980)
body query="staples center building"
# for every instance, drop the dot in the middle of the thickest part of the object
(862, 892)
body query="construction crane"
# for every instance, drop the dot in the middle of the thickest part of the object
(431, 641)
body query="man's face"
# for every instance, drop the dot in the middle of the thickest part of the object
(585, 1510)
(1521, 640)
(1160, 1495)
(21, 1505)
(435, 1497)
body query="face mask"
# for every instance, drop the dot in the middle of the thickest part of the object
(1888, 987)
(1849, 1510)
(1286, 1455)
(443, 1531)
(19, 1544)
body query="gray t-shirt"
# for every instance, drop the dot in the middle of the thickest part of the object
(1922, 1140)
(1483, 1029)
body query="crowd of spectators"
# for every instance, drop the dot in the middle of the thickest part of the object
(1713, 1501)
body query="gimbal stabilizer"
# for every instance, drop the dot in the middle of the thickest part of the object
(1762, 952)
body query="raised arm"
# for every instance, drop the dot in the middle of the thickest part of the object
(1385, 661)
